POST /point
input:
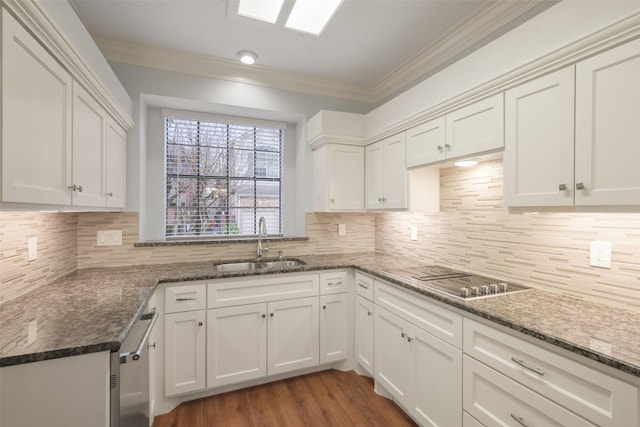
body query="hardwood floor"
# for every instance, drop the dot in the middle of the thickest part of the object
(328, 398)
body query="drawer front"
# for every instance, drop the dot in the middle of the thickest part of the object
(599, 398)
(495, 400)
(364, 286)
(334, 282)
(438, 321)
(185, 298)
(226, 293)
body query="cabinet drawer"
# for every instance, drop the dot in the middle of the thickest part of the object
(334, 282)
(185, 298)
(599, 398)
(225, 293)
(364, 286)
(494, 399)
(436, 320)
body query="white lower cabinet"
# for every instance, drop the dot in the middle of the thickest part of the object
(364, 333)
(334, 331)
(236, 344)
(184, 337)
(495, 400)
(422, 372)
(539, 381)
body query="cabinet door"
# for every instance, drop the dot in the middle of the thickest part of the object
(293, 335)
(334, 327)
(36, 120)
(345, 175)
(607, 127)
(184, 337)
(476, 128)
(391, 354)
(539, 141)
(89, 149)
(425, 143)
(394, 187)
(116, 165)
(364, 333)
(236, 344)
(374, 179)
(436, 381)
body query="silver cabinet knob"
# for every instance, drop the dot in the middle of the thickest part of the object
(447, 146)
(440, 148)
(562, 187)
(579, 186)
(110, 194)
(77, 188)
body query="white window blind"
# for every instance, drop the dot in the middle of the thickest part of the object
(221, 177)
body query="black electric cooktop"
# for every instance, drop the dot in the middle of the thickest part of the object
(455, 283)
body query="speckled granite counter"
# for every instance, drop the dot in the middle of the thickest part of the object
(93, 310)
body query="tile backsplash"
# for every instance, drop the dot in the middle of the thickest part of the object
(57, 245)
(472, 231)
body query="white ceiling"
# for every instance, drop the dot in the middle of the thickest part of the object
(369, 51)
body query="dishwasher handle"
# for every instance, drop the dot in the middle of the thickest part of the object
(133, 356)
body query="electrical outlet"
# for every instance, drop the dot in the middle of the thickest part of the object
(600, 254)
(342, 229)
(32, 249)
(414, 232)
(109, 238)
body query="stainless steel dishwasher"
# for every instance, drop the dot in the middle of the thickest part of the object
(130, 376)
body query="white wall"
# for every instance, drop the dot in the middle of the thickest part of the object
(154, 89)
(557, 26)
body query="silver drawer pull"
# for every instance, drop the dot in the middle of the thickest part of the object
(363, 286)
(519, 420)
(334, 283)
(185, 299)
(525, 366)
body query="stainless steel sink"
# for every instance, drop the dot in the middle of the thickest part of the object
(255, 265)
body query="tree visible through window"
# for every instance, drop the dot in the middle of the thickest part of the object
(221, 177)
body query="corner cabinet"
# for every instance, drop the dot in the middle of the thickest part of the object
(386, 175)
(338, 178)
(55, 135)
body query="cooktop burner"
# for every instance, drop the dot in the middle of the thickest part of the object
(453, 282)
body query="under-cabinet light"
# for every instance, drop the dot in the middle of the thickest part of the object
(466, 163)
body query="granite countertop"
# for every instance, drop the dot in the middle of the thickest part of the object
(93, 310)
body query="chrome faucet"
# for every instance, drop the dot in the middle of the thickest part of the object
(262, 232)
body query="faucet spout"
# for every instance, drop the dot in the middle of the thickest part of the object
(262, 233)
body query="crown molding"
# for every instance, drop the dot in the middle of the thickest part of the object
(484, 21)
(223, 69)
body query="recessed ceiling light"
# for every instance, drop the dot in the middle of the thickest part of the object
(466, 163)
(263, 10)
(311, 16)
(247, 57)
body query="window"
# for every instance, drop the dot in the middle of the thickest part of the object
(221, 177)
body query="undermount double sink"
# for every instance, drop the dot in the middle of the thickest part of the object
(277, 264)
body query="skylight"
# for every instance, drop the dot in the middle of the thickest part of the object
(308, 16)
(262, 10)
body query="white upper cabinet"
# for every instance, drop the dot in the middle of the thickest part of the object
(116, 168)
(545, 164)
(89, 150)
(608, 127)
(539, 141)
(474, 129)
(386, 175)
(36, 120)
(425, 143)
(338, 178)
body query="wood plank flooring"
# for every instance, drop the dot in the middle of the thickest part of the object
(328, 398)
